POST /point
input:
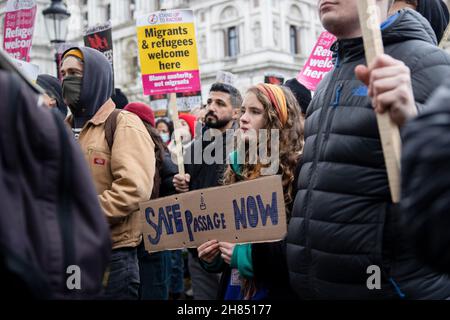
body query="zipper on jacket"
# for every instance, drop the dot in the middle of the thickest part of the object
(323, 116)
(397, 288)
(338, 95)
(329, 120)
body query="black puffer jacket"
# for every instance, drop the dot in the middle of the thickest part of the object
(343, 220)
(426, 181)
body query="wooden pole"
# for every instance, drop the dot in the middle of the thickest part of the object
(389, 133)
(177, 125)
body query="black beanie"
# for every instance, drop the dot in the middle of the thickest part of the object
(119, 98)
(301, 93)
(436, 12)
(52, 86)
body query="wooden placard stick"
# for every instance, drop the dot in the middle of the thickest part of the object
(177, 125)
(389, 133)
(445, 37)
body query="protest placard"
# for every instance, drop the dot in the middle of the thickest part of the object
(225, 77)
(18, 28)
(273, 79)
(30, 70)
(168, 52)
(186, 101)
(251, 211)
(99, 38)
(319, 62)
(159, 104)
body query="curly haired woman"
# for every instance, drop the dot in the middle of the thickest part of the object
(259, 271)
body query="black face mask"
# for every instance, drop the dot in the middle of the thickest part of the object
(71, 89)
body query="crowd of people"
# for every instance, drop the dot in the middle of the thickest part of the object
(77, 158)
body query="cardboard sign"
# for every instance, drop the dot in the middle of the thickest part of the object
(319, 62)
(100, 38)
(168, 52)
(251, 211)
(18, 28)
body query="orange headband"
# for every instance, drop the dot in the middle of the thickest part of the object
(277, 99)
(74, 52)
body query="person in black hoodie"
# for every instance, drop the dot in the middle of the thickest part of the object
(435, 11)
(344, 223)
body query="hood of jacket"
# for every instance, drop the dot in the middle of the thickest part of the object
(97, 85)
(436, 12)
(406, 25)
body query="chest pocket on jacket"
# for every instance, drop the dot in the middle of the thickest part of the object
(100, 166)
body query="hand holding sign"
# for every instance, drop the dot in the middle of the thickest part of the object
(389, 83)
(208, 251)
(181, 182)
(226, 250)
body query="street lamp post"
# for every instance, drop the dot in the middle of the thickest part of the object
(56, 17)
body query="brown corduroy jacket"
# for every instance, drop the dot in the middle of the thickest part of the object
(124, 175)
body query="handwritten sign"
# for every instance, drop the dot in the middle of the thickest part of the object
(319, 62)
(251, 211)
(168, 52)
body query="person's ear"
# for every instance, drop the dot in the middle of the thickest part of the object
(236, 113)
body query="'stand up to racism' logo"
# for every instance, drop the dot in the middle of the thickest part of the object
(153, 19)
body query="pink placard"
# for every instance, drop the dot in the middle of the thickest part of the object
(18, 32)
(319, 62)
(161, 83)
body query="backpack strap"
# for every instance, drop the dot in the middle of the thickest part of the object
(110, 127)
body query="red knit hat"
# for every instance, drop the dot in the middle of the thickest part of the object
(143, 111)
(190, 119)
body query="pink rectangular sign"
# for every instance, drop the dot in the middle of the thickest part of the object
(183, 81)
(18, 28)
(319, 62)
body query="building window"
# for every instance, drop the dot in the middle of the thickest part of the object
(85, 19)
(256, 3)
(132, 8)
(202, 16)
(132, 62)
(293, 36)
(233, 42)
(108, 12)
